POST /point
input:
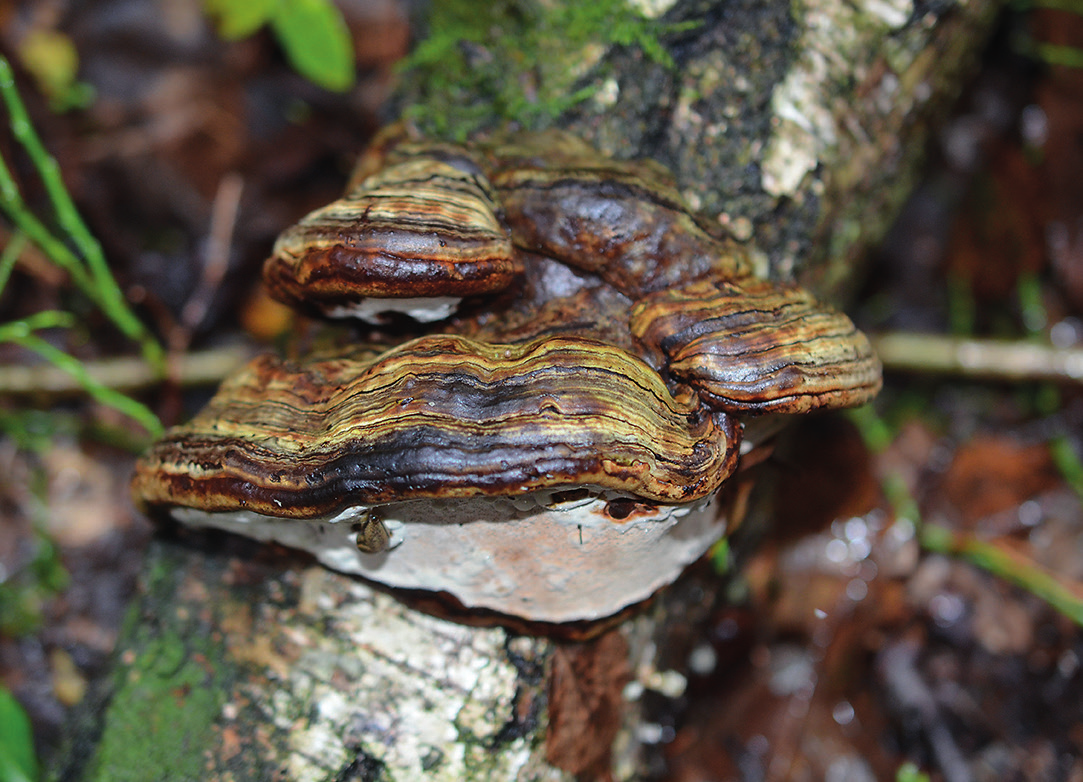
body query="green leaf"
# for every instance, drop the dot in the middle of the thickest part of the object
(1054, 54)
(908, 772)
(316, 41)
(17, 761)
(720, 556)
(51, 58)
(240, 18)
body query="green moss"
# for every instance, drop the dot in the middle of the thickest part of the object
(161, 714)
(530, 59)
(39, 574)
(24, 595)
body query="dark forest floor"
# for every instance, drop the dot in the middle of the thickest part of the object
(850, 648)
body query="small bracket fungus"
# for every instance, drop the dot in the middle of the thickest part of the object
(423, 226)
(553, 448)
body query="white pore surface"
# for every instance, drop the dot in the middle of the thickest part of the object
(423, 310)
(525, 556)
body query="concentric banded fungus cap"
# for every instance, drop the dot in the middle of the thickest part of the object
(552, 456)
(555, 452)
(439, 417)
(753, 346)
(414, 237)
(610, 220)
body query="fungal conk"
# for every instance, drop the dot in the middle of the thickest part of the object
(551, 444)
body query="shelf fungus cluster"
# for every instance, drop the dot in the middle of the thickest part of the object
(551, 442)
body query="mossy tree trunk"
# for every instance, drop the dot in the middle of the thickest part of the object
(799, 128)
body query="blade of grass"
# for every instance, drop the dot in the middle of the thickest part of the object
(12, 203)
(999, 558)
(12, 250)
(49, 171)
(101, 286)
(49, 319)
(1002, 559)
(21, 333)
(1055, 54)
(1068, 462)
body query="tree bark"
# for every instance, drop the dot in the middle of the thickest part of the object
(799, 127)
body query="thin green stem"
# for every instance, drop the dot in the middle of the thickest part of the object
(995, 557)
(1010, 565)
(49, 171)
(12, 250)
(49, 319)
(103, 394)
(21, 217)
(1068, 462)
(874, 430)
(1055, 54)
(100, 284)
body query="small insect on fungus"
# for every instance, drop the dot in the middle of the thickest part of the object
(372, 534)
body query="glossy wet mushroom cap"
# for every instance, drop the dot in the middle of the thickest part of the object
(438, 417)
(414, 237)
(634, 234)
(753, 346)
(558, 479)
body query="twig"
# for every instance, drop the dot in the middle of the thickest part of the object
(216, 254)
(205, 367)
(979, 358)
(918, 707)
(21, 332)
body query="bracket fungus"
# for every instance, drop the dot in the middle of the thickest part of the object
(553, 445)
